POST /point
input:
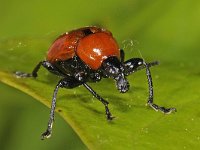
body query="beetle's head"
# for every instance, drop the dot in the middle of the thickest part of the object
(113, 68)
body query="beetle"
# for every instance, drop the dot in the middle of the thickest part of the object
(89, 54)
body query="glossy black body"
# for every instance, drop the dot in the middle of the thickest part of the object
(78, 69)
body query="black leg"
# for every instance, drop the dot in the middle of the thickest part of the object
(108, 114)
(153, 63)
(66, 83)
(150, 100)
(48, 132)
(45, 64)
(122, 55)
(134, 64)
(36, 69)
(20, 74)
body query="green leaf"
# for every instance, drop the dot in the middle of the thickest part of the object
(165, 32)
(135, 125)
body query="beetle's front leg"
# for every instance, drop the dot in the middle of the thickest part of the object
(150, 100)
(135, 64)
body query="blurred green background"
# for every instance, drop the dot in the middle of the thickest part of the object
(162, 30)
(23, 120)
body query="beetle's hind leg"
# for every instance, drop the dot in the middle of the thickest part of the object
(45, 64)
(20, 74)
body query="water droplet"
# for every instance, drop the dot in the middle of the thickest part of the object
(145, 130)
(19, 44)
(128, 105)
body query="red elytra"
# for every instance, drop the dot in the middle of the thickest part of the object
(91, 44)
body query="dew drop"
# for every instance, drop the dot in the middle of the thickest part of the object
(128, 105)
(19, 44)
(145, 130)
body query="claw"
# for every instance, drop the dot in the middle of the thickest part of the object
(46, 135)
(110, 117)
(169, 110)
(162, 109)
(20, 74)
(108, 114)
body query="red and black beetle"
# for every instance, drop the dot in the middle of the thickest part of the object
(87, 55)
